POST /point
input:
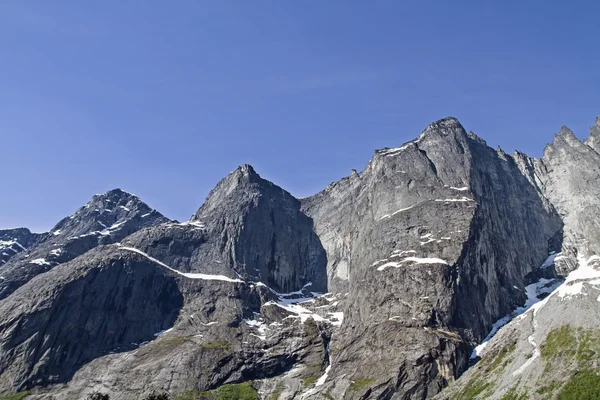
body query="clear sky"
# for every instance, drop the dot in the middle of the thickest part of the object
(164, 98)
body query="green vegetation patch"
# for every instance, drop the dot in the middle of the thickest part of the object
(513, 394)
(16, 396)
(239, 391)
(309, 381)
(501, 357)
(361, 383)
(548, 390)
(567, 346)
(584, 385)
(275, 395)
(559, 342)
(225, 346)
(473, 389)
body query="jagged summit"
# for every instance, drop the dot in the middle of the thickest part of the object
(440, 128)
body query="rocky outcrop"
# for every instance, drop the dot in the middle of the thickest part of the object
(107, 218)
(594, 139)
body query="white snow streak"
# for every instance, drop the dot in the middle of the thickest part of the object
(531, 359)
(40, 261)
(417, 260)
(455, 200)
(323, 378)
(533, 292)
(207, 277)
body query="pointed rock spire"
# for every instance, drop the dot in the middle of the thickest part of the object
(594, 139)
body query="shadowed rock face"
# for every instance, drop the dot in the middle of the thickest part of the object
(421, 253)
(95, 305)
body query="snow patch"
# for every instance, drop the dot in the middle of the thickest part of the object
(416, 260)
(195, 224)
(533, 291)
(461, 189)
(157, 334)
(396, 212)
(260, 326)
(323, 378)
(450, 200)
(338, 317)
(109, 230)
(40, 261)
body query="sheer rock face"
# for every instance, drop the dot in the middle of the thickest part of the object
(442, 233)
(95, 305)
(107, 218)
(421, 253)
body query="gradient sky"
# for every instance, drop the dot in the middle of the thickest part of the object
(163, 98)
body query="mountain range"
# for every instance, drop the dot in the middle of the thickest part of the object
(445, 269)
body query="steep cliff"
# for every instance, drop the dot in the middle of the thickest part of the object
(553, 347)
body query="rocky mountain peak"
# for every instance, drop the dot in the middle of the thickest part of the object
(105, 219)
(240, 186)
(14, 241)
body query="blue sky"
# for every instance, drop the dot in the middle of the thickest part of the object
(163, 99)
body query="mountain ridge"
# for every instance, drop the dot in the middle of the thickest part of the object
(421, 252)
